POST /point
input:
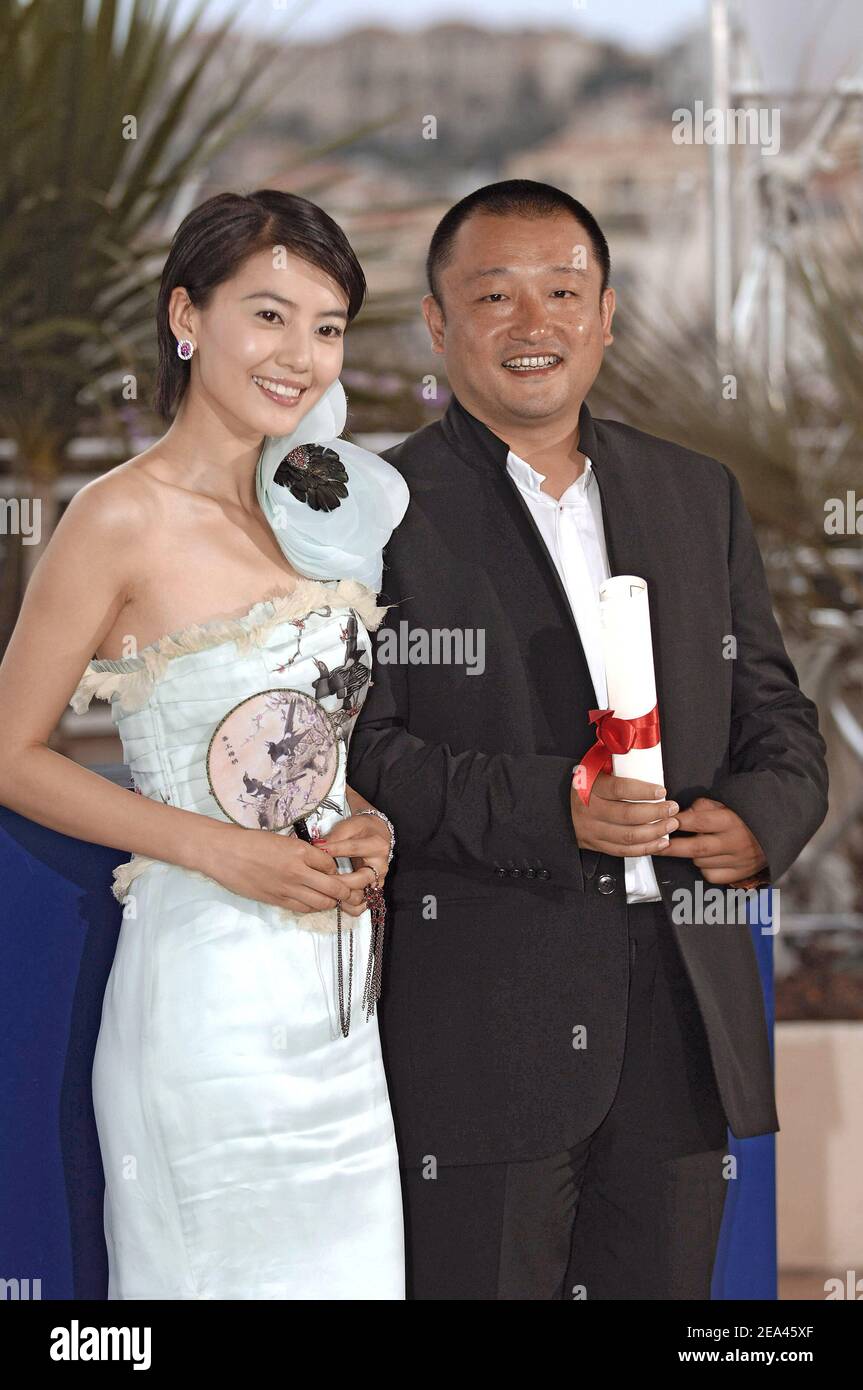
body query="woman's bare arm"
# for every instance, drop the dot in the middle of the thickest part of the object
(78, 589)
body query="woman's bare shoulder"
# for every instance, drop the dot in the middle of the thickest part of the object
(118, 503)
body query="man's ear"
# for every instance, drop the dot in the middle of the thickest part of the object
(433, 315)
(607, 308)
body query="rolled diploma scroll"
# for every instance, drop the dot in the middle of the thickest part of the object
(624, 619)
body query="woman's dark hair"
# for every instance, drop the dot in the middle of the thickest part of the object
(524, 198)
(214, 240)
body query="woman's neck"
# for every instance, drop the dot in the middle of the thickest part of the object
(212, 452)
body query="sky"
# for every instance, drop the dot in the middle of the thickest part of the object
(642, 24)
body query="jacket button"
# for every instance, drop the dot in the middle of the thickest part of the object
(515, 873)
(530, 873)
(501, 873)
(605, 884)
(543, 873)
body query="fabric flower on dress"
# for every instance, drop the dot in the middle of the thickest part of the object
(315, 474)
(341, 541)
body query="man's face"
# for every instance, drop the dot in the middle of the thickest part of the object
(521, 288)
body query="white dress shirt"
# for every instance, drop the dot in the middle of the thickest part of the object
(574, 537)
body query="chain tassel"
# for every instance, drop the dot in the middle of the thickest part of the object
(374, 972)
(374, 969)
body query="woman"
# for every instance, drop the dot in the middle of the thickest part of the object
(240, 1096)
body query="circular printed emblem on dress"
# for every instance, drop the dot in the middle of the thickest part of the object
(272, 759)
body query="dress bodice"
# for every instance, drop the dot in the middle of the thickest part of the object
(167, 700)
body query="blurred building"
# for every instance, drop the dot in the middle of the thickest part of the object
(434, 114)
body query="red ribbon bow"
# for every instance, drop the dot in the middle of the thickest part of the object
(614, 735)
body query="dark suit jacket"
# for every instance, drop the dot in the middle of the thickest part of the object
(504, 936)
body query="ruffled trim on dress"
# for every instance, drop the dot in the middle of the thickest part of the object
(125, 874)
(132, 678)
(324, 921)
(104, 679)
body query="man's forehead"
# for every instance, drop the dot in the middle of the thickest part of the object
(562, 268)
(522, 244)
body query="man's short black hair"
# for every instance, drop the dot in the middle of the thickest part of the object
(524, 198)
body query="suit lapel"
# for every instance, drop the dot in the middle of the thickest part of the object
(629, 512)
(482, 449)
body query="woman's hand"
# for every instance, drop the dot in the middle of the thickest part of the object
(364, 839)
(282, 870)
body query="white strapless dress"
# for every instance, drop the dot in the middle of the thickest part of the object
(248, 1146)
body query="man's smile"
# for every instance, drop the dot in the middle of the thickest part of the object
(533, 364)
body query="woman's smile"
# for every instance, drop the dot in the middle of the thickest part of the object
(280, 390)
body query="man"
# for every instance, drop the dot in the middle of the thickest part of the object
(563, 1056)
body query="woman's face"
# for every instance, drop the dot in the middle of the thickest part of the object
(268, 344)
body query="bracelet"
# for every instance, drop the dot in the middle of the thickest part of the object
(371, 811)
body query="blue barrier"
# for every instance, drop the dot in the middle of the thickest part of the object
(58, 927)
(745, 1264)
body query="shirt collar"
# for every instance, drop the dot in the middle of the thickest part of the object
(481, 448)
(531, 481)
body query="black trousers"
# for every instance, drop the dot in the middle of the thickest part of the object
(633, 1211)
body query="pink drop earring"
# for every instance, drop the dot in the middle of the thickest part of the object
(185, 348)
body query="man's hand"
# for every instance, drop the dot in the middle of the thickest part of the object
(721, 845)
(616, 820)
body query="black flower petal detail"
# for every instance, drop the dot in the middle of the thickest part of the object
(315, 475)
